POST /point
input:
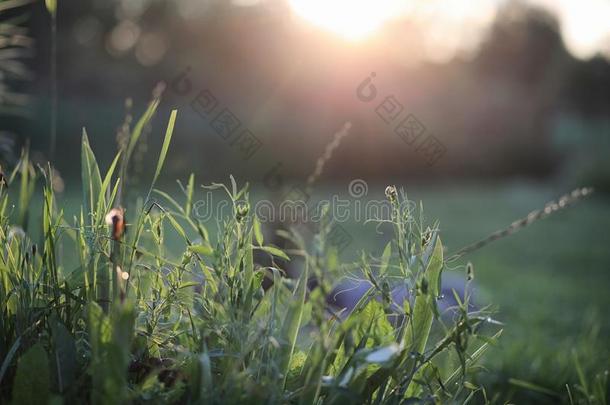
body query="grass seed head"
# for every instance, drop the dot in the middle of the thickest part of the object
(241, 211)
(3, 180)
(116, 218)
(391, 193)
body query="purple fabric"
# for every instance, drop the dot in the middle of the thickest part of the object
(346, 295)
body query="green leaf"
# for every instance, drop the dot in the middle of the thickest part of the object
(297, 362)
(532, 387)
(202, 250)
(233, 187)
(26, 188)
(275, 252)
(179, 229)
(382, 354)
(116, 355)
(472, 359)
(137, 130)
(365, 328)
(64, 356)
(470, 386)
(292, 322)
(385, 258)
(258, 233)
(102, 204)
(418, 330)
(248, 271)
(168, 138)
(190, 189)
(51, 7)
(373, 325)
(189, 284)
(9, 357)
(201, 380)
(171, 200)
(32, 383)
(423, 310)
(90, 175)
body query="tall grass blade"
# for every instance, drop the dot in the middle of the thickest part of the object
(166, 142)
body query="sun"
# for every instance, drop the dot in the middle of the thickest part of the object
(351, 19)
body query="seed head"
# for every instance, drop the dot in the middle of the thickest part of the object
(3, 180)
(391, 193)
(426, 237)
(241, 211)
(469, 271)
(116, 218)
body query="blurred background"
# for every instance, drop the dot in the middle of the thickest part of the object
(482, 110)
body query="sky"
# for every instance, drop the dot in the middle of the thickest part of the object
(450, 26)
(585, 25)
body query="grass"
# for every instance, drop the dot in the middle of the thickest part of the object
(551, 294)
(170, 311)
(548, 308)
(198, 320)
(547, 284)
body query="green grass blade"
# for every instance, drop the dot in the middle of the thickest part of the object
(423, 311)
(137, 130)
(90, 176)
(9, 357)
(166, 142)
(101, 198)
(292, 322)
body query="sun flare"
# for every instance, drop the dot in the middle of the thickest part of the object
(352, 19)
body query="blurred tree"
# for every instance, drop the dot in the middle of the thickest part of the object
(15, 46)
(587, 89)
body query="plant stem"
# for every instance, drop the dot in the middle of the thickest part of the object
(54, 102)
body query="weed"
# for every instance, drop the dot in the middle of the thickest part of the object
(136, 323)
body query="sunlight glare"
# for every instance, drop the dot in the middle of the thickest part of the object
(351, 19)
